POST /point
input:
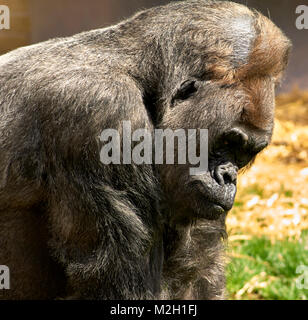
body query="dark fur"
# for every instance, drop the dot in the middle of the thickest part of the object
(73, 227)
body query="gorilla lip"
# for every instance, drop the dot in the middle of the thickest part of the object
(221, 196)
(219, 209)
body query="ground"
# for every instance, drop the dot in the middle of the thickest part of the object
(268, 226)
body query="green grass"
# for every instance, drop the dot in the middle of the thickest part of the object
(273, 266)
(238, 204)
(288, 193)
(255, 189)
(285, 192)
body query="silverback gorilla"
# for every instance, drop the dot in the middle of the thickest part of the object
(72, 227)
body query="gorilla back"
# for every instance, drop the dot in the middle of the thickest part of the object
(73, 227)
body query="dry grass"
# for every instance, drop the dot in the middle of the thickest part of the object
(272, 197)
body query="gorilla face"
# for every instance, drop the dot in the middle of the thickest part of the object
(238, 111)
(234, 140)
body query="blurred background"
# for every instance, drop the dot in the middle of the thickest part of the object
(36, 20)
(268, 226)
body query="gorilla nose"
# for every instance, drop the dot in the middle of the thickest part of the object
(226, 174)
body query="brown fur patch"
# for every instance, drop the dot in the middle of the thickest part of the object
(270, 53)
(259, 109)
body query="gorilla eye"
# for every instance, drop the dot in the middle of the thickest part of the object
(186, 90)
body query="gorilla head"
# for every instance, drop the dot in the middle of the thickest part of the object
(226, 62)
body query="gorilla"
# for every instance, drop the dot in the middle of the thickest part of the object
(72, 227)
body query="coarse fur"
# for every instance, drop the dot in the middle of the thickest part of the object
(72, 227)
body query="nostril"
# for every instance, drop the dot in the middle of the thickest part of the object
(225, 174)
(227, 178)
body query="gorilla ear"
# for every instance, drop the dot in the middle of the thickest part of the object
(186, 90)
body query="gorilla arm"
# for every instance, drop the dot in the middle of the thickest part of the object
(98, 233)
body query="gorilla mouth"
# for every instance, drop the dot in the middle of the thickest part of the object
(220, 196)
(216, 190)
